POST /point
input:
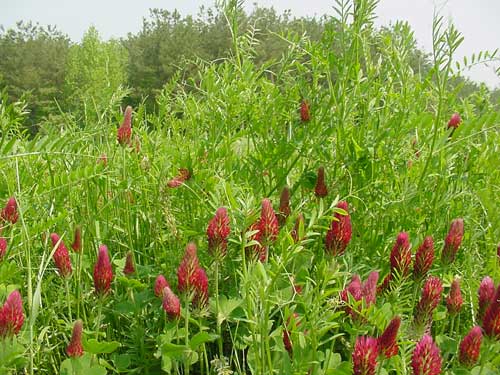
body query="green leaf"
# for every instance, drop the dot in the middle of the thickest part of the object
(201, 338)
(95, 347)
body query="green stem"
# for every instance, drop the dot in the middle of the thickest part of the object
(219, 330)
(68, 298)
(186, 338)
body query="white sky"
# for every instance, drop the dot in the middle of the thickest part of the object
(477, 20)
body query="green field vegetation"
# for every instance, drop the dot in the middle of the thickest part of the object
(231, 133)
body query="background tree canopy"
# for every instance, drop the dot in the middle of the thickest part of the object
(43, 67)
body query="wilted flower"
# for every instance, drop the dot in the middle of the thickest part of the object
(291, 325)
(364, 356)
(285, 209)
(431, 296)
(129, 264)
(454, 300)
(470, 347)
(171, 303)
(491, 321)
(387, 342)
(455, 120)
(9, 212)
(401, 255)
(77, 242)
(320, 189)
(103, 273)
(304, 111)
(125, 130)
(426, 359)
(340, 232)
(160, 284)
(61, 256)
(183, 175)
(11, 315)
(3, 247)
(296, 228)
(187, 268)
(75, 348)
(424, 258)
(199, 281)
(217, 232)
(453, 241)
(486, 293)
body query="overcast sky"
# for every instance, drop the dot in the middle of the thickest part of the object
(477, 20)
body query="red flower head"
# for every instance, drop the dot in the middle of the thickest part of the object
(320, 189)
(129, 264)
(187, 268)
(424, 258)
(285, 209)
(491, 321)
(304, 111)
(295, 231)
(340, 232)
(75, 348)
(125, 130)
(103, 273)
(61, 256)
(217, 232)
(9, 212)
(3, 247)
(77, 242)
(11, 315)
(455, 120)
(486, 294)
(291, 325)
(369, 288)
(183, 175)
(454, 301)
(171, 303)
(355, 290)
(199, 281)
(401, 255)
(268, 224)
(387, 342)
(453, 241)
(426, 359)
(364, 356)
(431, 296)
(470, 347)
(160, 284)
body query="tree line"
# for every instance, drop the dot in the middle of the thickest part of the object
(42, 67)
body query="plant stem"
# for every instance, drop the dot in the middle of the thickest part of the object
(68, 298)
(186, 338)
(218, 323)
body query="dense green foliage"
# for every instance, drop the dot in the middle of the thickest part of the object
(377, 124)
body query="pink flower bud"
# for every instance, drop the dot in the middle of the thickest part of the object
(11, 315)
(453, 241)
(124, 132)
(340, 232)
(401, 255)
(426, 359)
(285, 209)
(171, 303)
(291, 325)
(199, 281)
(217, 232)
(387, 342)
(75, 348)
(268, 224)
(454, 301)
(304, 111)
(424, 258)
(103, 273)
(491, 321)
(9, 212)
(486, 294)
(3, 247)
(320, 189)
(369, 288)
(295, 231)
(160, 284)
(129, 264)
(364, 356)
(470, 347)
(187, 268)
(431, 296)
(455, 120)
(77, 242)
(61, 256)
